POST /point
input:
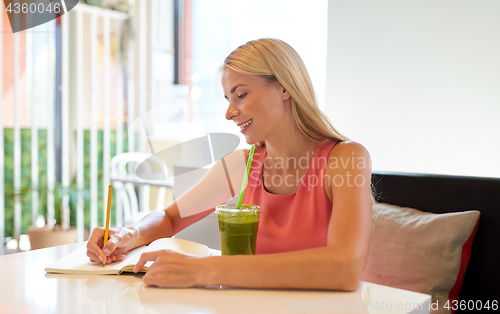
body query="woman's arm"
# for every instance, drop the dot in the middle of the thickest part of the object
(338, 266)
(197, 203)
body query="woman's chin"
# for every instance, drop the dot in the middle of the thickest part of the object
(251, 140)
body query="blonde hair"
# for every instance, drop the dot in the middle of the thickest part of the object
(275, 60)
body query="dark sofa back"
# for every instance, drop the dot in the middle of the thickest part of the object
(445, 194)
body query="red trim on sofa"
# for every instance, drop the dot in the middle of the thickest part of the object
(466, 252)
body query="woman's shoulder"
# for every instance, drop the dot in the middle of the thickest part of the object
(349, 153)
(348, 148)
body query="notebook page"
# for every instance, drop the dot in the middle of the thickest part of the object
(78, 262)
(179, 245)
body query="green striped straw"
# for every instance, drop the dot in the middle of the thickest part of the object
(245, 178)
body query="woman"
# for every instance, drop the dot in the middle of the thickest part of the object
(312, 183)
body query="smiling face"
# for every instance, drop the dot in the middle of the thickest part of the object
(259, 107)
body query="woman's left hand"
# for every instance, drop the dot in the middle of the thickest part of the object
(171, 269)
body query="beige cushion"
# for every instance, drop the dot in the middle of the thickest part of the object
(418, 251)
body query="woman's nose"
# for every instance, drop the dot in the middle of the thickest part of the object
(231, 112)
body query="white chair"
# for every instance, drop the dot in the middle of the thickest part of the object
(131, 207)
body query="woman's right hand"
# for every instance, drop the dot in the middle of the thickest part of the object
(119, 242)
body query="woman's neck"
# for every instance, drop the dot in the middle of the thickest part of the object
(287, 148)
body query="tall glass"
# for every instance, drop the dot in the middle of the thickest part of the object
(238, 228)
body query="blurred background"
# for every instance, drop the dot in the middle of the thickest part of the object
(88, 95)
(78, 91)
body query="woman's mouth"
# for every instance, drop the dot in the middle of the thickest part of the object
(244, 126)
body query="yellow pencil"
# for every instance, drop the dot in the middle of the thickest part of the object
(106, 231)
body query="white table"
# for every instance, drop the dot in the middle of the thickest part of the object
(26, 288)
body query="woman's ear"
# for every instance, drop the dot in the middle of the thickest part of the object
(286, 94)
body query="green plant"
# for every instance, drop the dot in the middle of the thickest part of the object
(58, 192)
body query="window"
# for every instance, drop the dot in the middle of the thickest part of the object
(220, 26)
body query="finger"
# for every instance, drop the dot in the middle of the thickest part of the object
(113, 258)
(96, 250)
(112, 244)
(110, 259)
(146, 257)
(97, 234)
(159, 262)
(95, 242)
(93, 257)
(120, 257)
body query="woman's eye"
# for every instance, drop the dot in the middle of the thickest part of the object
(242, 96)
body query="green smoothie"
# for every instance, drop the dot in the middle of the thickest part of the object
(238, 229)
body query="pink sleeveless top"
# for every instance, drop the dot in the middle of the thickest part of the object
(295, 221)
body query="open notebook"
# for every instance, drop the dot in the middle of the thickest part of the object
(78, 262)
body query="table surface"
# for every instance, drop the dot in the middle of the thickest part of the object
(26, 288)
